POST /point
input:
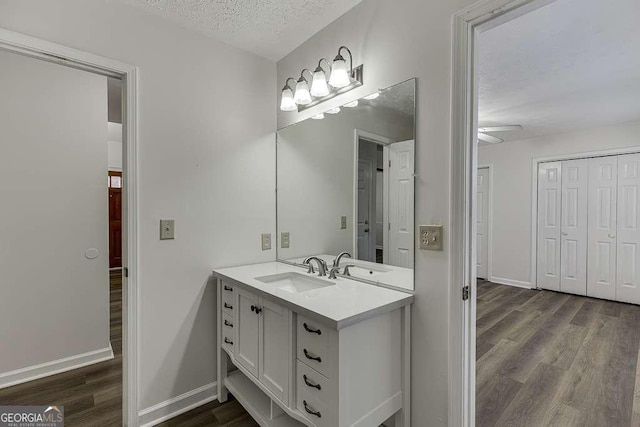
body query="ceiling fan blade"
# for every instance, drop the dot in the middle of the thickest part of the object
(500, 128)
(489, 139)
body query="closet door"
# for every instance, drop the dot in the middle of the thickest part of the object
(573, 246)
(549, 190)
(628, 235)
(603, 187)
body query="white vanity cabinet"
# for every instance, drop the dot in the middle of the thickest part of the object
(302, 367)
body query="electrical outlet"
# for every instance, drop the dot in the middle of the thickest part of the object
(266, 241)
(284, 239)
(431, 237)
(343, 223)
(166, 229)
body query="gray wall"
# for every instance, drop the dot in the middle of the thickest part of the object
(53, 169)
(396, 41)
(206, 158)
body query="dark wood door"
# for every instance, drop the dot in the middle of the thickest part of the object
(115, 219)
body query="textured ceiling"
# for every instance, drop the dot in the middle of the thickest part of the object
(570, 65)
(269, 28)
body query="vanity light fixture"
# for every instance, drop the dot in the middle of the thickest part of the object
(334, 110)
(371, 97)
(342, 78)
(351, 104)
(302, 95)
(318, 116)
(319, 86)
(287, 103)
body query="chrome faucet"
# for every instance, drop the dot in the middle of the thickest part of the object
(322, 266)
(336, 262)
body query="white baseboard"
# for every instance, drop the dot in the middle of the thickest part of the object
(511, 282)
(47, 369)
(178, 405)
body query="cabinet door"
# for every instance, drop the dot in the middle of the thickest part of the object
(248, 324)
(275, 352)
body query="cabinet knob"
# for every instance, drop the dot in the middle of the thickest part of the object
(258, 310)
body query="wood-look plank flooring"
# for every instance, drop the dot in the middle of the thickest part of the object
(551, 359)
(92, 396)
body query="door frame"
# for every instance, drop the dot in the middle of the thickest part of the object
(44, 50)
(380, 140)
(466, 25)
(535, 163)
(489, 166)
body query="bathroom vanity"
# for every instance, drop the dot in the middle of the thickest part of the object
(296, 349)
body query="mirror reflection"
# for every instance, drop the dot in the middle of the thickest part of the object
(346, 188)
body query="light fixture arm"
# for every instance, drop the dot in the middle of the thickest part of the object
(302, 75)
(350, 58)
(286, 83)
(319, 67)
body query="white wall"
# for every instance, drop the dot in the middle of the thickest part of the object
(396, 41)
(53, 168)
(206, 158)
(316, 177)
(511, 187)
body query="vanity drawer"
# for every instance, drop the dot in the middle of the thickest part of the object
(315, 411)
(315, 384)
(317, 346)
(227, 298)
(228, 335)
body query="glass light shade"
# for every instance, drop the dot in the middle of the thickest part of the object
(351, 104)
(319, 87)
(318, 116)
(339, 73)
(302, 96)
(287, 103)
(334, 110)
(374, 95)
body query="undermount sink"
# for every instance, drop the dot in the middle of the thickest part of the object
(364, 271)
(294, 282)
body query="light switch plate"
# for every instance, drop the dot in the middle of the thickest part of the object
(167, 229)
(266, 241)
(431, 237)
(343, 223)
(284, 239)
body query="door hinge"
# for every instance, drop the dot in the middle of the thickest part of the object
(126, 272)
(465, 293)
(389, 163)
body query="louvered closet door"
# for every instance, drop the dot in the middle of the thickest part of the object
(628, 235)
(573, 241)
(601, 264)
(549, 190)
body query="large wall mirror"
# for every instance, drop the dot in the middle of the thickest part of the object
(346, 184)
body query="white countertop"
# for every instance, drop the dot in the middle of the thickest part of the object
(398, 277)
(344, 304)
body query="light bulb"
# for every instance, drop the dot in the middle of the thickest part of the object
(351, 104)
(334, 110)
(287, 103)
(318, 116)
(372, 96)
(319, 87)
(339, 73)
(302, 96)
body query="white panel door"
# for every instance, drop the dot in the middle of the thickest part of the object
(482, 226)
(401, 233)
(549, 196)
(366, 241)
(573, 242)
(274, 337)
(628, 234)
(247, 338)
(601, 261)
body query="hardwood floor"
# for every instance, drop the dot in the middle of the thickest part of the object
(92, 396)
(551, 359)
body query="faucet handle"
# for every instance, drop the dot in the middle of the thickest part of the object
(346, 269)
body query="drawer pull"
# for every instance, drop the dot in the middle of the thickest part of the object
(311, 411)
(227, 323)
(228, 288)
(256, 309)
(306, 381)
(309, 356)
(311, 330)
(228, 341)
(229, 306)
